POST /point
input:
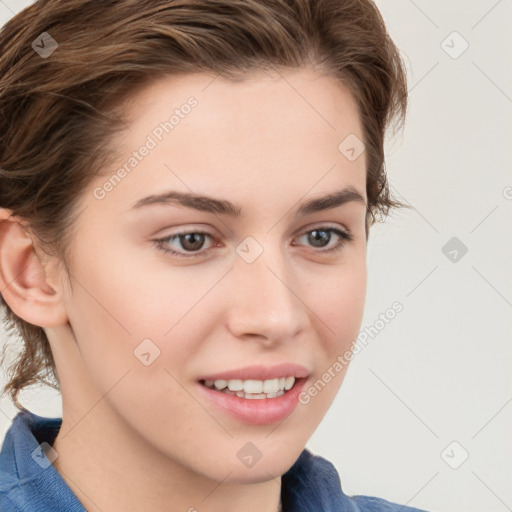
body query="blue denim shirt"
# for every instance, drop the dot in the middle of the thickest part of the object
(30, 483)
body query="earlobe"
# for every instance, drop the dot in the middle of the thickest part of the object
(23, 281)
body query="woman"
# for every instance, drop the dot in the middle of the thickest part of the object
(187, 189)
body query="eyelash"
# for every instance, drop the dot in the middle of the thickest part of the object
(161, 243)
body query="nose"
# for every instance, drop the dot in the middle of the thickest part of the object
(266, 302)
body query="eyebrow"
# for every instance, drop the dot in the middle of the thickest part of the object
(223, 207)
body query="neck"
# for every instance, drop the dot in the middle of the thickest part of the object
(110, 468)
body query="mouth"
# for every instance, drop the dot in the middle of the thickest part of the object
(252, 389)
(255, 395)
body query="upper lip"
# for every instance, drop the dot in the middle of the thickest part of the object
(260, 372)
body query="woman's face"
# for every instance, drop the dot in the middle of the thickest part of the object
(261, 289)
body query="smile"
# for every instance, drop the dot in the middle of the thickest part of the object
(256, 395)
(251, 388)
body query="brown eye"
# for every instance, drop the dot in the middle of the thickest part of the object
(186, 242)
(321, 237)
(191, 241)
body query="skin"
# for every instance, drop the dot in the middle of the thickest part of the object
(138, 437)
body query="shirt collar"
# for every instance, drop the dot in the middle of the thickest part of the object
(34, 483)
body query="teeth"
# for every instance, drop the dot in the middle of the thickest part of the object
(255, 396)
(251, 388)
(220, 384)
(289, 382)
(271, 386)
(274, 395)
(236, 385)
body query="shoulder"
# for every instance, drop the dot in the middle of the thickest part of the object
(317, 482)
(26, 484)
(372, 504)
(9, 479)
(8, 488)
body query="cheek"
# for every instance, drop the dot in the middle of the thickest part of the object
(339, 306)
(124, 317)
(134, 348)
(339, 311)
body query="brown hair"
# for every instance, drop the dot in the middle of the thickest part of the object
(57, 111)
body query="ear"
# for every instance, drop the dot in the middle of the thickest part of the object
(24, 283)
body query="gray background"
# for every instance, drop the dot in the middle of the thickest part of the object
(433, 386)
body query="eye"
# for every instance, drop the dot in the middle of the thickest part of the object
(190, 241)
(321, 237)
(193, 241)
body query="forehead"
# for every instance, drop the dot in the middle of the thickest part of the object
(260, 98)
(269, 130)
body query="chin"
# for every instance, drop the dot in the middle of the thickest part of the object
(261, 472)
(268, 467)
(229, 468)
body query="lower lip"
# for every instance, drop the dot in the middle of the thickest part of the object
(260, 411)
